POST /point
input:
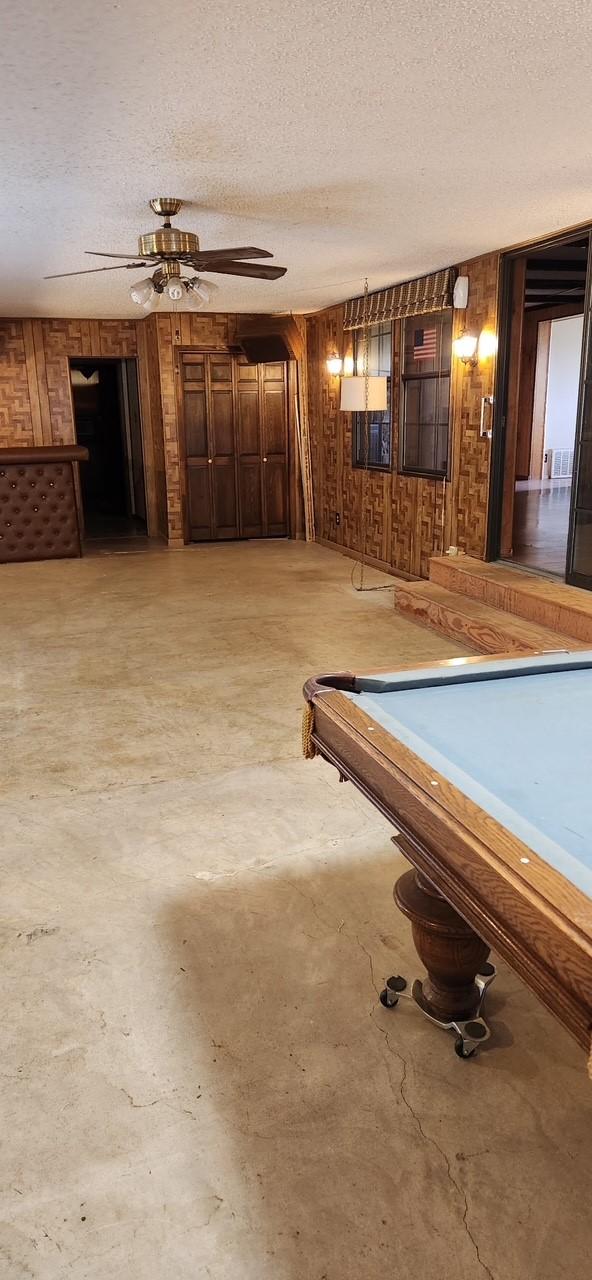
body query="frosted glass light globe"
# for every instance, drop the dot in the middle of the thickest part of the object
(142, 292)
(175, 289)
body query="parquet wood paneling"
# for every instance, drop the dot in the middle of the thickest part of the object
(35, 392)
(16, 418)
(409, 518)
(165, 328)
(313, 388)
(62, 339)
(472, 452)
(150, 375)
(118, 339)
(34, 397)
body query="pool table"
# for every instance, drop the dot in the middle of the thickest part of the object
(484, 766)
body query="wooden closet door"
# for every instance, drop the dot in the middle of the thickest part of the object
(192, 368)
(222, 446)
(249, 449)
(272, 381)
(236, 446)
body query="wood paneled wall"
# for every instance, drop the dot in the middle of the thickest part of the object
(36, 399)
(408, 518)
(35, 392)
(35, 396)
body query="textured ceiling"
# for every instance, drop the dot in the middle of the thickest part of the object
(355, 138)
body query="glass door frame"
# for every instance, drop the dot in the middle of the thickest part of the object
(498, 481)
(584, 413)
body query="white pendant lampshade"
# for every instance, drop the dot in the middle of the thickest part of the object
(353, 394)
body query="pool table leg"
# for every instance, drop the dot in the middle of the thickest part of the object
(451, 951)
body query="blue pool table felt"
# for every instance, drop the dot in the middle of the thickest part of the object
(515, 736)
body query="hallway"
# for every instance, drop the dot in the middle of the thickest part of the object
(541, 524)
(199, 1080)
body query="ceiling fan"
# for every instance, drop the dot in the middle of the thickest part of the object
(173, 249)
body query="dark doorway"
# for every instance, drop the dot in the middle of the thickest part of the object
(107, 417)
(543, 292)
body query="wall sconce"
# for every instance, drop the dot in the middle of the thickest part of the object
(465, 348)
(353, 394)
(348, 366)
(334, 364)
(487, 345)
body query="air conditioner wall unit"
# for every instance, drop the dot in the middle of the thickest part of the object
(558, 464)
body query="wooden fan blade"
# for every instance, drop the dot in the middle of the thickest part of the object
(96, 253)
(208, 255)
(226, 268)
(127, 266)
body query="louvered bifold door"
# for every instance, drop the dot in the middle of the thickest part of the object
(272, 380)
(249, 449)
(222, 446)
(197, 451)
(236, 446)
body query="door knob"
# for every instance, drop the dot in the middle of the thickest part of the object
(265, 459)
(210, 460)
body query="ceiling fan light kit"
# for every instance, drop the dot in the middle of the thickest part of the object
(173, 249)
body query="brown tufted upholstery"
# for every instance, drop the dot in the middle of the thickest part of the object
(39, 510)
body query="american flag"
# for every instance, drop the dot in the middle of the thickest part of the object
(424, 344)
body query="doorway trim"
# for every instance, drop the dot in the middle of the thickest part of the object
(499, 471)
(121, 362)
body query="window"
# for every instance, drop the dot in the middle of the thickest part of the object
(376, 450)
(426, 394)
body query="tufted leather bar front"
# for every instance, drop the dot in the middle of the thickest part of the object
(40, 515)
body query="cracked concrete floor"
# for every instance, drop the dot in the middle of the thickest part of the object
(198, 1080)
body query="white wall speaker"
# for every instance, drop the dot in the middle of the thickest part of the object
(460, 295)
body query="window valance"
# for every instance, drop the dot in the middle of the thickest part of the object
(412, 298)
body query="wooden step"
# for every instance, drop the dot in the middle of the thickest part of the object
(476, 625)
(553, 605)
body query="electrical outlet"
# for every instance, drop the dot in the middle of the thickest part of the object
(337, 517)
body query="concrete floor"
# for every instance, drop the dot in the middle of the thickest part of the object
(198, 1078)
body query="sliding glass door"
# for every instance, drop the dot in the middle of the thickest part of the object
(579, 551)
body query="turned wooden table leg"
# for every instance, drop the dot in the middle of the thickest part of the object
(450, 950)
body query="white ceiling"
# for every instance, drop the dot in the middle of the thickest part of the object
(369, 137)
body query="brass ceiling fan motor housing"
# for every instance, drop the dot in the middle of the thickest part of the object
(162, 275)
(167, 242)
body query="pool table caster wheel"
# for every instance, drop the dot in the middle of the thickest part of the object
(389, 996)
(472, 1034)
(461, 1050)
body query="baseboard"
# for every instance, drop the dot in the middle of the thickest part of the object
(369, 560)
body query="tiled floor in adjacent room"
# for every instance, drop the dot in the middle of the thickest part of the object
(198, 1079)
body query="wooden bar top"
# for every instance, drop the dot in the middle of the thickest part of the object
(47, 453)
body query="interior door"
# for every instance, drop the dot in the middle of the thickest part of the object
(222, 445)
(249, 449)
(275, 449)
(579, 548)
(200, 504)
(235, 443)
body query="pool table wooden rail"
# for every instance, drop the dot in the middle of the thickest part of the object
(534, 917)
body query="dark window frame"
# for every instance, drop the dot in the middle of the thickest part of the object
(359, 462)
(406, 469)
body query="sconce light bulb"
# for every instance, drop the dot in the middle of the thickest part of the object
(335, 364)
(465, 348)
